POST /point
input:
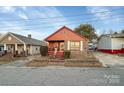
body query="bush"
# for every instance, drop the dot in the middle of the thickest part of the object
(67, 54)
(44, 50)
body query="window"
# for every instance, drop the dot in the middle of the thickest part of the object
(75, 45)
(9, 38)
(0, 49)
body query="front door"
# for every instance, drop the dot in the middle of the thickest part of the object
(10, 48)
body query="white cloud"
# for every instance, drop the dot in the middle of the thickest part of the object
(24, 7)
(14, 27)
(37, 12)
(22, 15)
(105, 14)
(7, 9)
(53, 12)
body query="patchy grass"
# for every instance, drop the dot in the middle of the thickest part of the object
(5, 62)
(91, 62)
(37, 63)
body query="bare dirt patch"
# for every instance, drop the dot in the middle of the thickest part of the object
(37, 63)
(5, 62)
(82, 64)
(77, 60)
(82, 59)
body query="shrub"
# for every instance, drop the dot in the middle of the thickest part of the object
(67, 54)
(44, 50)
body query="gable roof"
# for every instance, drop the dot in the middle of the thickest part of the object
(64, 36)
(26, 40)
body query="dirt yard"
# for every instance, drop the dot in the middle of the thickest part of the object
(77, 59)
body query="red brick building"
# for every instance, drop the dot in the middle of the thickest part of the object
(66, 39)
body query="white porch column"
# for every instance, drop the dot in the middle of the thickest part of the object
(25, 50)
(31, 52)
(68, 45)
(81, 45)
(16, 47)
(25, 47)
(5, 48)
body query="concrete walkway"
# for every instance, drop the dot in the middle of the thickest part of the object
(109, 59)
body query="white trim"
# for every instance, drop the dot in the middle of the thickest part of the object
(16, 47)
(5, 47)
(68, 44)
(11, 35)
(17, 38)
(81, 45)
(31, 52)
(24, 47)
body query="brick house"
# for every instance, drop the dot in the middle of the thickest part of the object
(21, 45)
(66, 39)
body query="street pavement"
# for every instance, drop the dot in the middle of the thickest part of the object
(16, 74)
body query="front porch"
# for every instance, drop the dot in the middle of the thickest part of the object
(18, 50)
(57, 48)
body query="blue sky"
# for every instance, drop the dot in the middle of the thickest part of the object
(43, 21)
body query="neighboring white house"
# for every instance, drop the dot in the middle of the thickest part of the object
(111, 43)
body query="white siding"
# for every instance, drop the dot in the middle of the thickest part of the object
(35, 50)
(117, 43)
(20, 49)
(104, 43)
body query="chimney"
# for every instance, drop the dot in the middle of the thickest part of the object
(29, 35)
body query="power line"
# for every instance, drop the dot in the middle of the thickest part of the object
(96, 20)
(66, 21)
(64, 16)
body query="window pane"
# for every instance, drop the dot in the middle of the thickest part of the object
(75, 45)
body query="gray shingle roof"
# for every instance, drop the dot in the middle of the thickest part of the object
(114, 35)
(28, 40)
(0, 38)
(117, 35)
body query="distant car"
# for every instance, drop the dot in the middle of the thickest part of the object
(92, 46)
